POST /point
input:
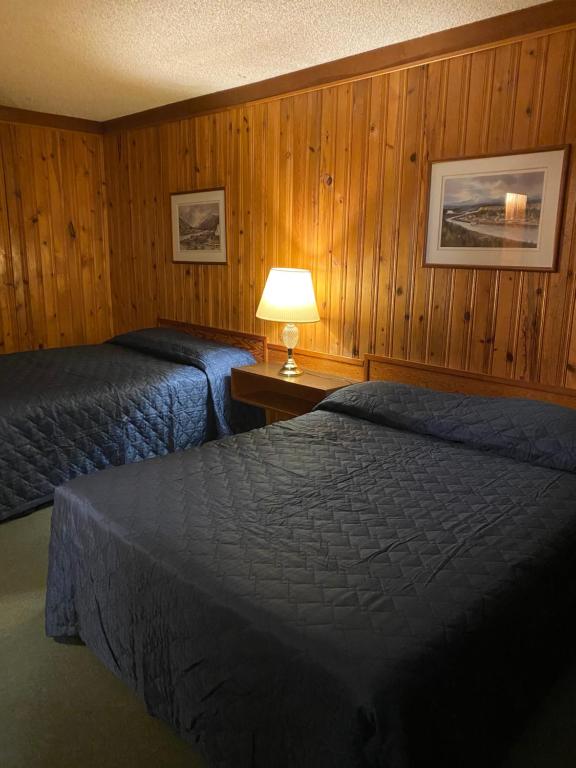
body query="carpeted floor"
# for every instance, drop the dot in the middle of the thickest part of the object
(60, 708)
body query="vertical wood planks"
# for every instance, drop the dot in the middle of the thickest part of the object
(54, 260)
(336, 180)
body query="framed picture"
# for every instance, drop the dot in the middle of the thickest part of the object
(497, 212)
(199, 227)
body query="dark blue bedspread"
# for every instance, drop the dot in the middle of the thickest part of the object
(334, 591)
(65, 412)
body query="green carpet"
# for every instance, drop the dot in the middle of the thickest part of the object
(61, 708)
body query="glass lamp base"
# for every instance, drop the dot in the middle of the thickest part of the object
(290, 339)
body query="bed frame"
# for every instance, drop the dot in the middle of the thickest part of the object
(377, 368)
(258, 345)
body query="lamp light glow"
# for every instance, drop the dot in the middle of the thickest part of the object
(288, 297)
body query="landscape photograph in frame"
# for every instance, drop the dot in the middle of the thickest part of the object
(496, 212)
(199, 227)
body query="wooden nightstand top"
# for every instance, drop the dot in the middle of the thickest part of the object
(262, 385)
(321, 381)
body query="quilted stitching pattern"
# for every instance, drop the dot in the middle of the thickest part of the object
(314, 593)
(527, 430)
(213, 358)
(66, 412)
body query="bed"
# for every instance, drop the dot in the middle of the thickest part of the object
(389, 581)
(65, 412)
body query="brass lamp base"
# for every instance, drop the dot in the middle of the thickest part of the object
(290, 339)
(290, 368)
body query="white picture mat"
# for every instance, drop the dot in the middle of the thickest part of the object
(541, 257)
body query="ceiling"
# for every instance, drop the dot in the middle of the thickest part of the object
(101, 59)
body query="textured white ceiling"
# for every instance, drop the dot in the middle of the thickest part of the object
(105, 58)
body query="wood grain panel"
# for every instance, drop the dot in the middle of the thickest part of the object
(31, 117)
(335, 180)
(54, 264)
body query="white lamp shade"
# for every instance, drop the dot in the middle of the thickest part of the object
(288, 297)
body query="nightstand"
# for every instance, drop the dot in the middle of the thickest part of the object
(282, 397)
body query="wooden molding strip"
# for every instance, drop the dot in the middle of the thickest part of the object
(29, 117)
(456, 41)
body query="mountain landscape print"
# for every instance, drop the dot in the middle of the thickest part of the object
(496, 210)
(199, 226)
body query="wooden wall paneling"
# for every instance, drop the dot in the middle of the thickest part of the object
(500, 321)
(270, 183)
(531, 286)
(426, 310)
(257, 209)
(122, 270)
(283, 193)
(336, 180)
(569, 322)
(16, 116)
(306, 192)
(212, 134)
(448, 299)
(326, 197)
(53, 232)
(175, 160)
(558, 285)
(245, 287)
(407, 223)
(235, 183)
(478, 142)
(220, 274)
(9, 340)
(529, 99)
(145, 174)
(69, 316)
(140, 258)
(370, 249)
(16, 140)
(390, 207)
(161, 219)
(76, 242)
(568, 360)
(24, 308)
(310, 256)
(356, 216)
(458, 310)
(341, 169)
(92, 232)
(171, 159)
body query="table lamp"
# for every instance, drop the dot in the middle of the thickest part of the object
(288, 297)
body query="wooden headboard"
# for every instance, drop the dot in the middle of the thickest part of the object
(448, 380)
(258, 345)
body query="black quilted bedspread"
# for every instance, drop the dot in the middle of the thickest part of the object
(65, 412)
(389, 581)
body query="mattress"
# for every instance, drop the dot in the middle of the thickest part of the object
(389, 581)
(65, 412)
